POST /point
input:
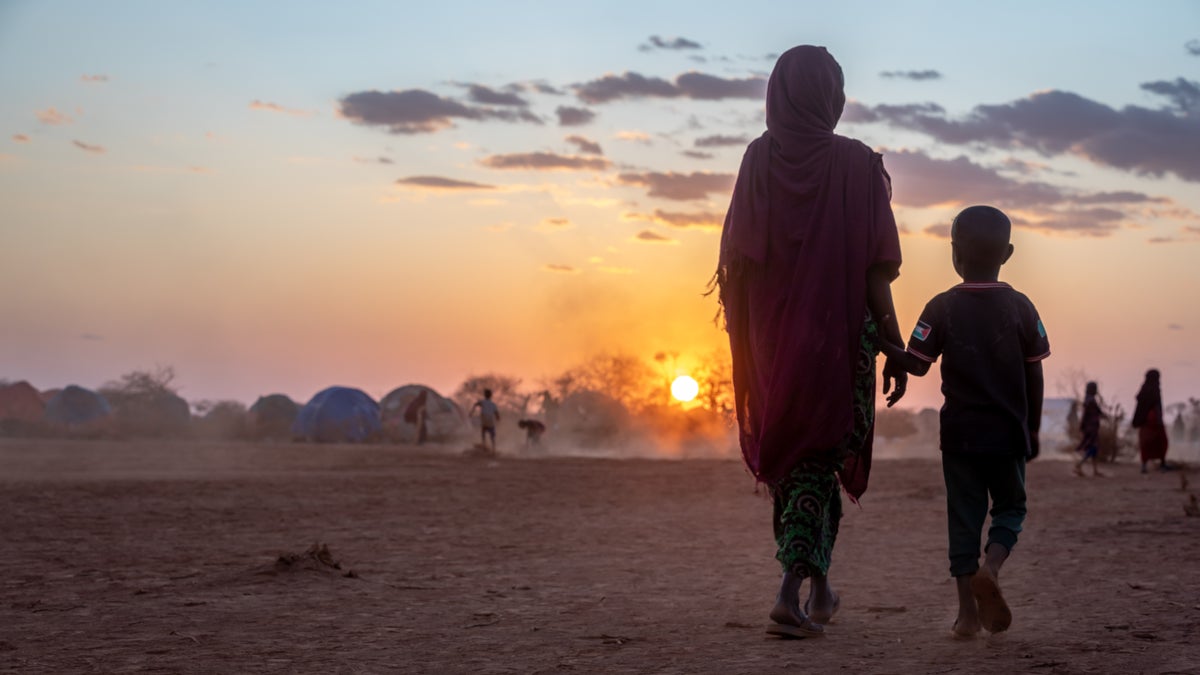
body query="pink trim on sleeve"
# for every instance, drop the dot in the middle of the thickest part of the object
(921, 356)
(1035, 359)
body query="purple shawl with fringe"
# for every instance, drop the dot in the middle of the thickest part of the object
(810, 214)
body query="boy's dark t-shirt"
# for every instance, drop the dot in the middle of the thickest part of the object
(985, 334)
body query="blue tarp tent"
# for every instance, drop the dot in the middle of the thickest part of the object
(76, 406)
(338, 414)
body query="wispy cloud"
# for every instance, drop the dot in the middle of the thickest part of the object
(584, 145)
(374, 160)
(573, 117)
(633, 137)
(91, 337)
(652, 237)
(93, 79)
(691, 85)
(559, 269)
(415, 111)
(720, 140)
(545, 161)
(696, 154)
(1193, 47)
(97, 149)
(679, 186)
(656, 42)
(53, 117)
(479, 93)
(20, 138)
(915, 75)
(268, 106)
(700, 220)
(554, 224)
(441, 183)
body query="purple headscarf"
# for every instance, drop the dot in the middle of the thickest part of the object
(810, 214)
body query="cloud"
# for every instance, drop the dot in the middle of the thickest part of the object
(573, 117)
(609, 269)
(652, 237)
(545, 161)
(633, 137)
(560, 269)
(92, 337)
(554, 224)
(1174, 326)
(657, 42)
(488, 96)
(99, 150)
(701, 220)
(375, 160)
(693, 85)
(679, 186)
(267, 106)
(720, 140)
(53, 117)
(915, 75)
(587, 147)
(20, 138)
(697, 155)
(939, 230)
(415, 111)
(1183, 94)
(920, 181)
(93, 78)
(1142, 140)
(1193, 47)
(440, 183)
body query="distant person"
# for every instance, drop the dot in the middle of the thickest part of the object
(1089, 428)
(533, 432)
(1179, 429)
(550, 409)
(992, 344)
(1148, 420)
(808, 253)
(417, 413)
(489, 415)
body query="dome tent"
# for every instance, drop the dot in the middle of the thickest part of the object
(272, 416)
(21, 408)
(338, 414)
(443, 416)
(75, 407)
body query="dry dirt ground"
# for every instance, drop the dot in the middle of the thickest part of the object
(158, 557)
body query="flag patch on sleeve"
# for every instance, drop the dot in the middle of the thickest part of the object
(921, 331)
(1041, 329)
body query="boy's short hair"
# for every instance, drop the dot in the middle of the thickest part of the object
(981, 234)
(487, 393)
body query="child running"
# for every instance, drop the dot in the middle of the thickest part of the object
(1089, 426)
(992, 344)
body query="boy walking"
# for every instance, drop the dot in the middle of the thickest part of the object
(489, 415)
(991, 342)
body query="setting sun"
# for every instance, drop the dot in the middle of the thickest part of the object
(684, 388)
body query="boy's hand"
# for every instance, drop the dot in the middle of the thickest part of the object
(1034, 447)
(892, 370)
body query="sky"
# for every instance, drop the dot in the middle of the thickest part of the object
(278, 197)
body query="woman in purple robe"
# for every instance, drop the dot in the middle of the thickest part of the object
(808, 253)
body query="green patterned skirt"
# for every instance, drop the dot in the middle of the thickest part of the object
(808, 502)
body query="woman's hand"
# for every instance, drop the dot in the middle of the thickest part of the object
(892, 370)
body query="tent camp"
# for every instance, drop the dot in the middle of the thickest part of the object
(272, 415)
(76, 408)
(21, 408)
(338, 414)
(443, 417)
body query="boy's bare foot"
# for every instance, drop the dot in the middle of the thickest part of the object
(790, 622)
(965, 628)
(994, 613)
